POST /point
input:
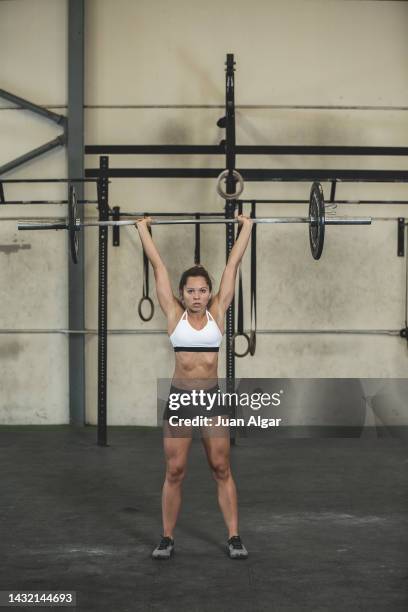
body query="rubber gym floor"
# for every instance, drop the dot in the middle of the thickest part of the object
(324, 520)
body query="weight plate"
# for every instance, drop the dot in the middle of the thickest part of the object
(72, 229)
(317, 217)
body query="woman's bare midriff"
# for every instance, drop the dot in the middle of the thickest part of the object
(195, 366)
(191, 365)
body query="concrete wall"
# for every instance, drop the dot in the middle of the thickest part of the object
(33, 267)
(164, 62)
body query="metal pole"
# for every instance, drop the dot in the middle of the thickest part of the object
(42, 202)
(60, 141)
(244, 150)
(230, 144)
(103, 304)
(76, 281)
(262, 174)
(303, 201)
(34, 108)
(171, 214)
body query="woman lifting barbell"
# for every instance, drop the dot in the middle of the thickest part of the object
(195, 324)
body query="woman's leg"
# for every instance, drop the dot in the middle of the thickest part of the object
(217, 449)
(176, 453)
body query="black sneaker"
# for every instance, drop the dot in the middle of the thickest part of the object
(165, 549)
(236, 549)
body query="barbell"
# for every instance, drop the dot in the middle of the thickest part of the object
(42, 202)
(317, 221)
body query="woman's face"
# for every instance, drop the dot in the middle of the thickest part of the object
(196, 293)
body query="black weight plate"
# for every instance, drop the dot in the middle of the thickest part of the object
(72, 229)
(317, 217)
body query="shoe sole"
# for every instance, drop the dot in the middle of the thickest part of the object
(163, 558)
(237, 558)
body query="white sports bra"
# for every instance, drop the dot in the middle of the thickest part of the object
(186, 338)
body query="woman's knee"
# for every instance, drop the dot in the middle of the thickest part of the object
(175, 472)
(221, 469)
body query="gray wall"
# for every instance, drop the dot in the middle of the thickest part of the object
(166, 61)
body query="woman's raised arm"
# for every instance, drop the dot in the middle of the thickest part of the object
(167, 300)
(226, 291)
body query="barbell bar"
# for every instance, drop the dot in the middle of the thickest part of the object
(303, 201)
(35, 202)
(50, 180)
(72, 200)
(316, 220)
(78, 225)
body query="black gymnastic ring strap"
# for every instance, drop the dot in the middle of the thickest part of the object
(197, 245)
(145, 291)
(240, 324)
(252, 342)
(252, 334)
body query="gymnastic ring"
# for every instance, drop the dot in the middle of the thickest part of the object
(245, 353)
(139, 308)
(252, 342)
(230, 196)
